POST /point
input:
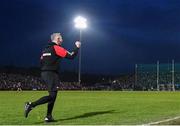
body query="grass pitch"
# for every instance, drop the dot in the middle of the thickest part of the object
(91, 107)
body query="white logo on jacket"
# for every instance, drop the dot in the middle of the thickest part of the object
(46, 54)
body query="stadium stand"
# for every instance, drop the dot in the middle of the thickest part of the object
(144, 78)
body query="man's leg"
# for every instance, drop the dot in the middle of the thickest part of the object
(51, 79)
(53, 95)
(29, 106)
(49, 117)
(41, 101)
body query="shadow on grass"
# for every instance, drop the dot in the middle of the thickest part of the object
(85, 115)
(89, 114)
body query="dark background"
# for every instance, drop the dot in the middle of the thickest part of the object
(120, 33)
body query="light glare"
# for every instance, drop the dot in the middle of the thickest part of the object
(80, 22)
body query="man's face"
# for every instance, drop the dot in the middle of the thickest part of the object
(59, 39)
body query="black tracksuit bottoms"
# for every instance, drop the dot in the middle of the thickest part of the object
(51, 79)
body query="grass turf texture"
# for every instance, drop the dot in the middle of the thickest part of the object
(92, 107)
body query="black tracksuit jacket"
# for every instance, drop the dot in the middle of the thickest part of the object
(52, 56)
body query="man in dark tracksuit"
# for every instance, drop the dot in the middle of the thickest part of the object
(50, 59)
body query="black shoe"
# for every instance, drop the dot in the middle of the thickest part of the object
(27, 108)
(49, 118)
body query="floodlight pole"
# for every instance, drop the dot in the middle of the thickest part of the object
(79, 74)
(173, 86)
(80, 23)
(136, 72)
(157, 76)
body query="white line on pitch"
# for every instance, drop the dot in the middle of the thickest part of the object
(165, 120)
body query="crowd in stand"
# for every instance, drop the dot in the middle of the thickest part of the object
(14, 78)
(145, 81)
(12, 81)
(148, 80)
(28, 82)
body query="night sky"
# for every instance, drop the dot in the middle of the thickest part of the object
(120, 33)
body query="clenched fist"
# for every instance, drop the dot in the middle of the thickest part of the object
(78, 44)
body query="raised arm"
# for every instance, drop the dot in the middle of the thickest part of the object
(66, 54)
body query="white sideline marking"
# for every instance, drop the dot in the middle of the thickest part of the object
(165, 120)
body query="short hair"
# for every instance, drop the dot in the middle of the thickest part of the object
(54, 34)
